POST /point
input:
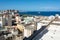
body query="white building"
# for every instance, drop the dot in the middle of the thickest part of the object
(1, 21)
(52, 34)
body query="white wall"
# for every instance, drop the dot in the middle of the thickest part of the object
(1, 24)
(27, 33)
(39, 26)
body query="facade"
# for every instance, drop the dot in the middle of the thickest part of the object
(28, 31)
(1, 21)
(7, 19)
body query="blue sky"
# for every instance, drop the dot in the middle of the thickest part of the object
(30, 5)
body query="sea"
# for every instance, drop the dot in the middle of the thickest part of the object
(42, 13)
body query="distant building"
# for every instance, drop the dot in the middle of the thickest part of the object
(51, 17)
(7, 19)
